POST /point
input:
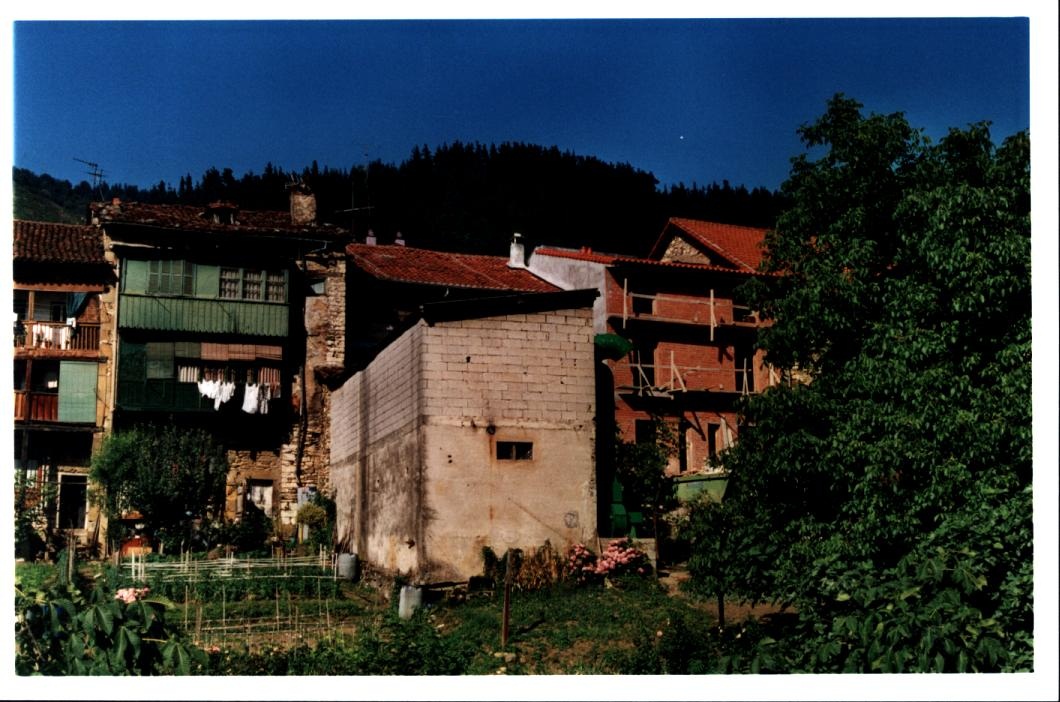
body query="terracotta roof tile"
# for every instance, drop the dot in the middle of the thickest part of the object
(197, 218)
(744, 246)
(50, 242)
(423, 266)
(613, 259)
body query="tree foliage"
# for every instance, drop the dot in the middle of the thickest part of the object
(459, 197)
(889, 499)
(641, 470)
(169, 475)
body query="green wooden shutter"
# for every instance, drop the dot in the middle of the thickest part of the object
(77, 391)
(135, 276)
(207, 281)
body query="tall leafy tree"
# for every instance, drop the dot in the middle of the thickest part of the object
(889, 498)
(167, 474)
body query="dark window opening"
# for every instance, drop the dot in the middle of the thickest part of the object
(643, 305)
(515, 450)
(644, 431)
(73, 491)
(712, 441)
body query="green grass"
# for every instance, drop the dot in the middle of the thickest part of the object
(632, 628)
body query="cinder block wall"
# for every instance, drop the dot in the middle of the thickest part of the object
(415, 463)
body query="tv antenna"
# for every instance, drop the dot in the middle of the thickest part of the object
(96, 172)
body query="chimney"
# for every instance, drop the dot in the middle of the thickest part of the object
(370, 238)
(399, 240)
(517, 255)
(303, 205)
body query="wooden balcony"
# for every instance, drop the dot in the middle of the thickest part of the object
(57, 336)
(36, 406)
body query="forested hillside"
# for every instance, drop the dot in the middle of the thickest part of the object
(467, 197)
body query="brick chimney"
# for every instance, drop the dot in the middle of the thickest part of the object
(303, 205)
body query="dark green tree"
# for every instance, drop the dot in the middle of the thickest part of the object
(641, 469)
(889, 497)
(170, 475)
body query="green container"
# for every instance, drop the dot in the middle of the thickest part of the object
(691, 486)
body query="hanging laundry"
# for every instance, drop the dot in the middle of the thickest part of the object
(208, 388)
(250, 398)
(224, 393)
(44, 335)
(264, 395)
(62, 335)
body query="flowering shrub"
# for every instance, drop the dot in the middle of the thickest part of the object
(128, 595)
(581, 562)
(621, 558)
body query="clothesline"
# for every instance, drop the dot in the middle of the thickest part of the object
(256, 396)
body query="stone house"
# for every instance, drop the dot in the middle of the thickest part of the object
(63, 353)
(474, 426)
(218, 297)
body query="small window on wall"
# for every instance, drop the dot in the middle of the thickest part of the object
(169, 277)
(253, 284)
(515, 451)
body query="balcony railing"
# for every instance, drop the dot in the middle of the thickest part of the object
(665, 379)
(705, 311)
(58, 336)
(36, 406)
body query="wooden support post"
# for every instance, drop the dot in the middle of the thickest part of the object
(713, 320)
(506, 613)
(625, 302)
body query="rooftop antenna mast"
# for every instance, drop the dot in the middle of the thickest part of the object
(97, 175)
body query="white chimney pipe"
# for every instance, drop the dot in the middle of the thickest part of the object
(517, 255)
(370, 238)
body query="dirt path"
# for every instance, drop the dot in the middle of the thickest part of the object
(673, 577)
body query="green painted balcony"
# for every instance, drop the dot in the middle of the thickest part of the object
(186, 314)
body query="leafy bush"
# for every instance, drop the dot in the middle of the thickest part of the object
(319, 515)
(386, 646)
(62, 631)
(250, 533)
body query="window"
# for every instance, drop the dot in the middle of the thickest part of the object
(169, 277)
(160, 360)
(253, 284)
(49, 307)
(515, 450)
(73, 493)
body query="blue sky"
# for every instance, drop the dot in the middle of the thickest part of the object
(688, 100)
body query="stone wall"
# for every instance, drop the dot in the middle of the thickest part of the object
(304, 459)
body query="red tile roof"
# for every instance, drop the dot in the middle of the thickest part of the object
(50, 242)
(744, 246)
(591, 256)
(197, 218)
(426, 267)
